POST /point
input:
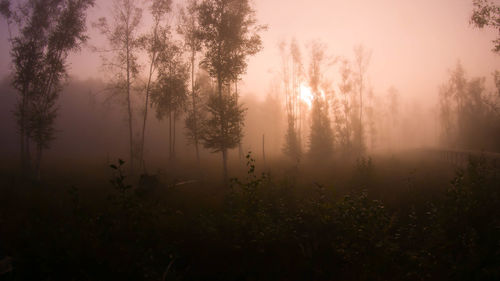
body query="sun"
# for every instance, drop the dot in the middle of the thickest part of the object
(306, 95)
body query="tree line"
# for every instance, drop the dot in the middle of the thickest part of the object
(195, 58)
(193, 67)
(469, 114)
(342, 116)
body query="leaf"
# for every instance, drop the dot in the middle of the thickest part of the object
(121, 161)
(112, 166)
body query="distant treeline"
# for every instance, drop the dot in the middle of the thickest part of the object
(469, 114)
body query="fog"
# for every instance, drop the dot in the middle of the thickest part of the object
(249, 139)
(413, 45)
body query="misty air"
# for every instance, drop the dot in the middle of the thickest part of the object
(249, 140)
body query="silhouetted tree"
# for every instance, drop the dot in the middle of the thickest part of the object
(468, 115)
(123, 38)
(458, 84)
(362, 59)
(372, 113)
(344, 115)
(188, 28)
(321, 137)
(496, 79)
(393, 104)
(171, 90)
(154, 43)
(446, 115)
(229, 34)
(297, 79)
(42, 35)
(194, 119)
(487, 14)
(217, 138)
(291, 85)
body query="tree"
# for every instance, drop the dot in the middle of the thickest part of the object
(321, 138)
(496, 79)
(446, 114)
(188, 28)
(170, 92)
(219, 138)
(344, 118)
(487, 14)
(154, 43)
(123, 39)
(46, 32)
(362, 59)
(468, 115)
(291, 86)
(297, 79)
(195, 118)
(458, 87)
(393, 104)
(372, 114)
(229, 34)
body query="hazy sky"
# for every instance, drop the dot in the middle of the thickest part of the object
(413, 43)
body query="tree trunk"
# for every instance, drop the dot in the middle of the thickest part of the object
(170, 135)
(173, 137)
(224, 165)
(194, 109)
(151, 70)
(347, 127)
(23, 134)
(38, 162)
(129, 107)
(263, 149)
(223, 130)
(240, 148)
(143, 164)
(27, 154)
(360, 114)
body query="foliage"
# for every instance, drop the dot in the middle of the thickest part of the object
(154, 43)
(224, 128)
(170, 91)
(188, 28)
(321, 137)
(194, 118)
(292, 146)
(362, 60)
(45, 33)
(262, 229)
(343, 107)
(229, 34)
(487, 14)
(292, 76)
(469, 116)
(125, 43)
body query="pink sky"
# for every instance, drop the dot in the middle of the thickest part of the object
(413, 43)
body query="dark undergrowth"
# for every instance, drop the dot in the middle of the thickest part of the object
(369, 222)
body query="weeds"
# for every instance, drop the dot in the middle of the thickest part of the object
(265, 231)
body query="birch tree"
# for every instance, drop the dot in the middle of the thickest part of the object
(229, 33)
(123, 38)
(42, 35)
(188, 28)
(154, 42)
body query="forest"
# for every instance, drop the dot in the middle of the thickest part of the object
(219, 140)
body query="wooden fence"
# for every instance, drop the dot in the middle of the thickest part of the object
(461, 158)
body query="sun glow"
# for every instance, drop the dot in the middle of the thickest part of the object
(306, 95)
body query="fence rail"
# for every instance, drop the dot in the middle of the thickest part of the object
(461, 157)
